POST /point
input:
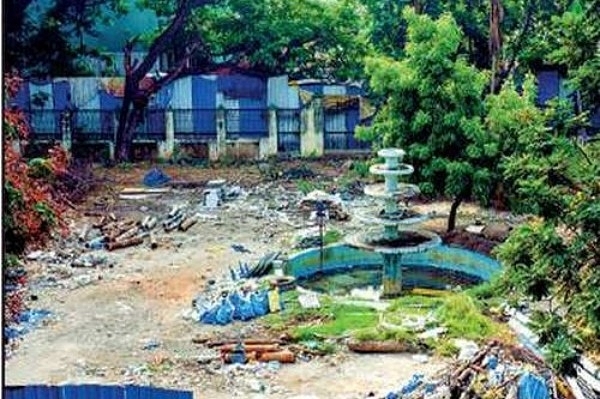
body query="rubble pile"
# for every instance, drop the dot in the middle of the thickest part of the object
(333, 203)
(497, 371)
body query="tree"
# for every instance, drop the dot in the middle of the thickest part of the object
(574, 37)
(303, 37)
(434, 109)
(556, 256)
(31, 211)
(56, 31)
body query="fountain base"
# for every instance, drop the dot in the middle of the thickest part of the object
(392, 276)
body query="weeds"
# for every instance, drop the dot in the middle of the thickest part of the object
(460, 314)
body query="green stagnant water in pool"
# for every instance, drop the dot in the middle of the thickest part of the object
(342, 282)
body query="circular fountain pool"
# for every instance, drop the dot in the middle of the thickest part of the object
(345, 268)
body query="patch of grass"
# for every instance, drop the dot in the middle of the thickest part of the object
(461, 315)
(330, 320)
(306, 186)
(340, 319)
(332, 236)
(414, 303)
(445, 348)
(383, 334)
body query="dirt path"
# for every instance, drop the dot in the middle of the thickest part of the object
(103, 317)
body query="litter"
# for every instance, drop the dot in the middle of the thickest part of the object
(309, 300)
(497, 371)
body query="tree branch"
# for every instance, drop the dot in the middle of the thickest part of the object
(190, 50)
(166, 38)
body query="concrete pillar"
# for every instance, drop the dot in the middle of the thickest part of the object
(312, 133)
(111, 150)
(167, 147)
(221, 133)
(268, 145)
(66, 131)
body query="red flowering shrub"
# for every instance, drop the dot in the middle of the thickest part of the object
(32, 209)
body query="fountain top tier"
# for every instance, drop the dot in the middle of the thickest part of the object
(392, 239)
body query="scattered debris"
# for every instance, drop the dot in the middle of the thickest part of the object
(497, 372)
(309, 300)
(335, 208)
(240, 248)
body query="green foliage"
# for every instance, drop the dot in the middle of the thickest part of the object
(556, 256)
(57, 30)
(574, 36)
(434, 108)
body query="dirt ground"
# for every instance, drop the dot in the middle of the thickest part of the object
(103, 316)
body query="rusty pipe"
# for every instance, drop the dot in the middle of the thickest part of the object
(189, 222)
(153, 242)
(125, 243)
(127, 234)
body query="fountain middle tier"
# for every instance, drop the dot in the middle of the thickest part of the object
(406, 241)
(402, 191)
(401, 216)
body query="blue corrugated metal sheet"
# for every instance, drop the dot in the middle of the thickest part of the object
(354, 90)
(41, 98)
(204, 97)
(93, 392)
(548, 86)
(316, 88)
(61, 94)
(254, 117)
(182, 99)
(281, 95)
(242, 86)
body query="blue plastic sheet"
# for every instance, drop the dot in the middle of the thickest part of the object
(28, 321)
(156, 178)
(235, 306)
(532, 387)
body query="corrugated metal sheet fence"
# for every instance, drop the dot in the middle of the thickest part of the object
(288, 130)
(340, 124)
(92, 392)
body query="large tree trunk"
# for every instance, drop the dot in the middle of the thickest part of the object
(124, 139)
(453, 211)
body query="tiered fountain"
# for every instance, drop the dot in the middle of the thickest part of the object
(396, 238)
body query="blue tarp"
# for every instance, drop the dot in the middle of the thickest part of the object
(532, 387)
(156, 178)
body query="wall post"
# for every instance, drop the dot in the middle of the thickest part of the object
(312, 129)
(221, 149)
(268, 145)
(167, 147)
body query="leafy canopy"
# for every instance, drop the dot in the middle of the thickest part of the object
(434, 106)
